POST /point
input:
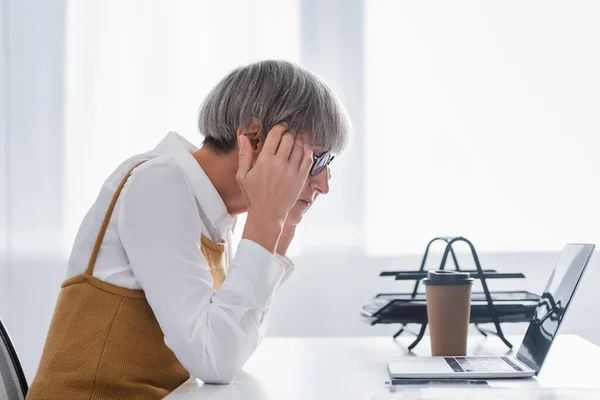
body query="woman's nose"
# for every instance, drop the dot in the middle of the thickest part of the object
(320, 183)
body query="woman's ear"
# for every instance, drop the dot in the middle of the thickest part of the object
(254, 132)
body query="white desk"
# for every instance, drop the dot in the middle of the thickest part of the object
(354, 368)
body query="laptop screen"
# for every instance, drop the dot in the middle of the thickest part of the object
(553, 304)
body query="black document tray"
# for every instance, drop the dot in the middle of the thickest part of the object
(392, 310)
(476, 296)
(486, 307)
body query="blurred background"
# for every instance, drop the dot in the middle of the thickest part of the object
(470, 118)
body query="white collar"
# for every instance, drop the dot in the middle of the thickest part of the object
(180, 150)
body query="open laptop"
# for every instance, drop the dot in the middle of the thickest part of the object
(542, 330)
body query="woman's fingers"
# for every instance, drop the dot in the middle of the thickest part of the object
(286, 145)
(274, 138)
(307, 160)
(297, 152)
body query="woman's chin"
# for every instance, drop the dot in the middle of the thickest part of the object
(293, 218)
(295, 215)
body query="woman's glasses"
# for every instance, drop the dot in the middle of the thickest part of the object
(320, 162)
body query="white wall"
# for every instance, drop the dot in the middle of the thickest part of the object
(322, 298)
(326, 293)
(482, 118)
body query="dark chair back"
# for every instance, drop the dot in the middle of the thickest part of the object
(13, 385)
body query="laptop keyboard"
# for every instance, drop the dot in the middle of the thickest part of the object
(482, 364)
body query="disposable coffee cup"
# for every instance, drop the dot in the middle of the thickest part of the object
(448, 295)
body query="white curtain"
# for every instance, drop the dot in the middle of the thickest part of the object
(482, 121)
(480, 118)
(137, 69)
(4, 185)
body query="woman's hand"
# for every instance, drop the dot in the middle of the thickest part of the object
(273, 184)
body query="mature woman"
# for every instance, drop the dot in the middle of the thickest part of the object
(153, 294)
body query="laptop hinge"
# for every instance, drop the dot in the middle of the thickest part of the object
(527, 363)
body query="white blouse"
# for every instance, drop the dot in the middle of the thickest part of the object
(153, 243)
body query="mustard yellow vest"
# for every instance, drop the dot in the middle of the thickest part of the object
(104, 341)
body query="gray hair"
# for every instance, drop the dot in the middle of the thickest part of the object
(273, 91)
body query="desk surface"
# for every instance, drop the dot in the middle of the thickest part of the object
(354, 368)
